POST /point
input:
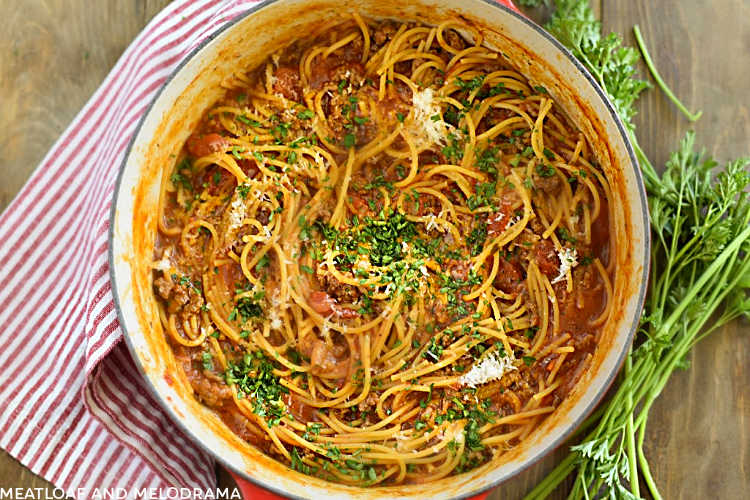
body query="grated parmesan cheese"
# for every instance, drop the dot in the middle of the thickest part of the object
(425, 108)
(274, 312)
(432, 222)
(363, 264)
(326, 328)
(289, 114)
(568, 260)
(275, 320)
(236, 213)
(490, 368)
(459, 437)
(163, 264)
(512, 222)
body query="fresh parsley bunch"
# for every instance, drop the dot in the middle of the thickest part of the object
(700, 268)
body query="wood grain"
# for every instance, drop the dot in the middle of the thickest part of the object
(698, 441)
(53, 56)
(55, 53)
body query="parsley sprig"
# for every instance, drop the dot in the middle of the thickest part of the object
(700, 222)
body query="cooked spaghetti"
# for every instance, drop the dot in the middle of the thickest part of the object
(383, 256)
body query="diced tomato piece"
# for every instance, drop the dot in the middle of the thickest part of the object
(359, 203)
(218, 180)
(324, 304)
(287, 83)
(332, 69)
(344, 312)
(546, 258)
(325, 361)
(249, 167)
(498, 221)
(230, 274)
(204, 145)
(300, 411)
(508, 276)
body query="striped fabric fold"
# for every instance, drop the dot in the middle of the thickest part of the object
(73, 406)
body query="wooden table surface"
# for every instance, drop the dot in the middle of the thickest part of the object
(55, 53)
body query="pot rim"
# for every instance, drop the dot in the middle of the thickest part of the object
(568, 429)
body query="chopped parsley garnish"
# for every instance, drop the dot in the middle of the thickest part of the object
(487, 161)
(498, 89)
(247, 307)
(262, 262)
(305, 114)
(484, 191)
(453, 151)
(349, 140)
(476, 238)
(472, 84)
(472, 436)
(208, 363)
(254, 378)
(433, 352)
(248, 121)
(454, 289)
(236, 150)
(545, 170)
(563, 234)
(243, 190)
(179, 177)
(186, 281)
(299, 465)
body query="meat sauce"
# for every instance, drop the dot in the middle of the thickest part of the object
(332, 356)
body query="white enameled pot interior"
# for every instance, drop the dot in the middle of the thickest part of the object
(245, 43)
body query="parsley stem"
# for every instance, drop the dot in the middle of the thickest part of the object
(652, 178)
(659, 81)
(701, 282)
(643, 463)
(553, 479)
(700, 223)
(633, 466)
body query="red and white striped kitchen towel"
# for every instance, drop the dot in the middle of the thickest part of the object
(73, 406)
